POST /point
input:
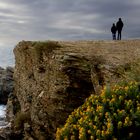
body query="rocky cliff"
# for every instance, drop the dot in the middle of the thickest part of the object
(54, 78)
(6, 83)
(6, 90)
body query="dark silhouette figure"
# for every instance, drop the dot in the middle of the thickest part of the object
(119, 26)
(113, 30)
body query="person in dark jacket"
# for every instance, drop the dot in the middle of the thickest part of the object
(113, 30)
(119, 26)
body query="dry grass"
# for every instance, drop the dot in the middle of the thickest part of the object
(115, 52)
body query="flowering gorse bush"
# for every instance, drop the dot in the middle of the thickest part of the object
(115, 114)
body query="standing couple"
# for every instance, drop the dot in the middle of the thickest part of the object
(118, 27)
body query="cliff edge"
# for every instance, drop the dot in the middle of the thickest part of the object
(53, 78)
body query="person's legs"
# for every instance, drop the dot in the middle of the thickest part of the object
(113, 37)
(120, 35)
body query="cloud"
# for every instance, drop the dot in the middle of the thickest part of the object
(66, 20)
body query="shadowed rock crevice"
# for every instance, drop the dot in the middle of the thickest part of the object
(77, 68)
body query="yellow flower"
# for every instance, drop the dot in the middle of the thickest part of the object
(130, 101)
(126, 88)
(108, 100)
(131, 110)
(81, 113)
(127, 118)
(108, 125)
(138, 108)
(114, 114)
(103, 92)
(120, 97)
(103, 133)
(90, 124)
(103, 127)
(107, 114)
(127, 122)
(92, 137)
(118, 110)
(72, 137)
(98, 132)
(138, 96)
(104, 100)
(94, 126)
(104, 88)
(74, 126)
(122, 112)
(112, 100)
(65, 138)
(107, 132)
(138, 104)
(108, 119)
(88, 109)
(96, 101)
(113, 96)
(96, 119)
(89, 131)
(80, 120)
(99, 108)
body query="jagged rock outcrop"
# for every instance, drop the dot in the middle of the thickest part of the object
(54, 78)
(6, 90)
(6, 83)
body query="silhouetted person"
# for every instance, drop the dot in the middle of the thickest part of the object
(113, 30)
(119, 26)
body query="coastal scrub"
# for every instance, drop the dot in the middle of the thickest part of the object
(114, 114)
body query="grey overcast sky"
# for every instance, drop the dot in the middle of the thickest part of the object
(66, 19)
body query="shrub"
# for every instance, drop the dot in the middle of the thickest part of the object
(45, 47)
(20, 119)
(115, 114)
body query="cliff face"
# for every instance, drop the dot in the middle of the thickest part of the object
(54, 78)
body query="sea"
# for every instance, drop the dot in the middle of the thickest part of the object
(6, 59)
(3, 122)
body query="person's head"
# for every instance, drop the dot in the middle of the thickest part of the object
(120, 19)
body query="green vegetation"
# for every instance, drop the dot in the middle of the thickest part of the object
(20, 119)
(45, 48)
(114, 114)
